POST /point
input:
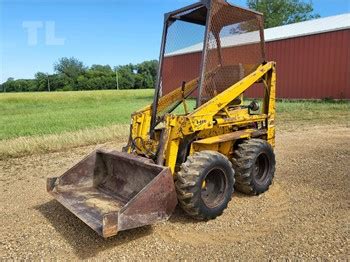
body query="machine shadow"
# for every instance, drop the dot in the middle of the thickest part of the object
(180, 216)
(85, 242)
(241, 195)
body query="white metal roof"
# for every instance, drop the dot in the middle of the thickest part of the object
(311, 27)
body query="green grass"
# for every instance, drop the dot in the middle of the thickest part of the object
(312, 113)
(37, 114)
(28, 114)
(42, 122)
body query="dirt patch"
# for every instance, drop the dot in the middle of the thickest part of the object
(305, 214)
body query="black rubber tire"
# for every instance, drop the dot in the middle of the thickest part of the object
(205, 200)
(254, 164)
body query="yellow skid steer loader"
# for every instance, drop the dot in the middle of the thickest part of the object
(198, 140)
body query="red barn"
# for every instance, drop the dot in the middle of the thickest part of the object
(313, 58)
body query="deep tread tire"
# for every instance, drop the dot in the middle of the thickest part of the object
(248, 160)
(202, 166)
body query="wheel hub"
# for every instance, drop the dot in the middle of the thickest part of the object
(213, 188)
(261, 168)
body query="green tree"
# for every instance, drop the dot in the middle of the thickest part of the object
(82, 83)
(41, 81)
(71, 74)
(148, 72)
(139, 82)
(126, 76)
(57, 82)
(30, 85)
(100, 70)
(70, 69)
(8, 85)
(19, 85)
(282, 12)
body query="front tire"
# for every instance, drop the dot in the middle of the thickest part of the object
(254, 164)
(204, 184)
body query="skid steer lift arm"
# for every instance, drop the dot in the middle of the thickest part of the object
(213, 115)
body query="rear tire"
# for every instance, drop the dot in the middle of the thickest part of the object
(254, 165)
(204, 184)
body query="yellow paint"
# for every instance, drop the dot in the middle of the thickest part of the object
(171, 154)
(214, 122)
(226, 137)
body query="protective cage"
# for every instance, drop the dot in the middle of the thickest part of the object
(212, 43)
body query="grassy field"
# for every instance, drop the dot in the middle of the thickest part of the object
(41, 122)
(28, 114)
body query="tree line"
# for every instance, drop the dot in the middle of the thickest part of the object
(70, 74)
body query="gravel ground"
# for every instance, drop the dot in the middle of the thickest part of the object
(304, 215)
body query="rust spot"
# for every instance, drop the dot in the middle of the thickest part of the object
(114, 191)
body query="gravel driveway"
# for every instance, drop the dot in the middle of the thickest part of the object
(305, 214)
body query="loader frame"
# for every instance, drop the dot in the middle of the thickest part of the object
(216, 125)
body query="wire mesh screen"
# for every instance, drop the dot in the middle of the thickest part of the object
(233, 49)
(180, 66)
(209, 46)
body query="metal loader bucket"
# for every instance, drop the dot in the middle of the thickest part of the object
(114, 191)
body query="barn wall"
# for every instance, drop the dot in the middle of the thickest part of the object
(316, 66)
(309, 67)
(177, 69)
